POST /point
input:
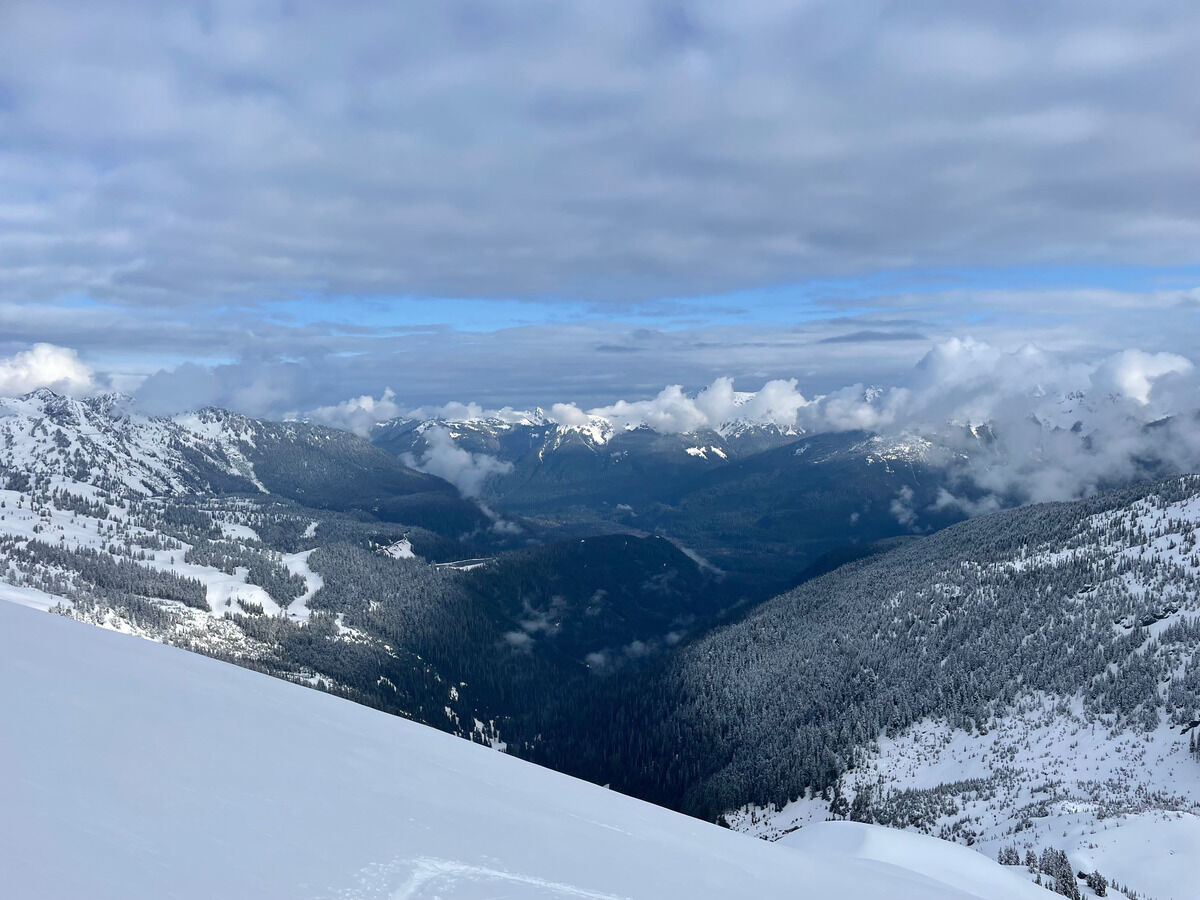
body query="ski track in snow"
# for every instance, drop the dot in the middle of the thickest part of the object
(430, 878)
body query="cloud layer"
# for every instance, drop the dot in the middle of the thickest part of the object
(232, 153)
(1012, 426)
(959, 382)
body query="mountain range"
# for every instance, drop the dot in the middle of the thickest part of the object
(761, 628)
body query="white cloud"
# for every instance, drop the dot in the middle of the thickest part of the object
(568, 414)
(519, 641)
(674, 411)
(45, 365)
(1133, 373)
(465, 412)
(358, 414)
(500, 525)
(256, 151)
(902, 508)
(465, 470)
(1061, 428)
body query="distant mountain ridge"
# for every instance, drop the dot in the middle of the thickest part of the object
(761, 500)
(536, 437)
(102, 440)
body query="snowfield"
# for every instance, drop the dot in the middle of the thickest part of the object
(957, 866)
(297, 564)
(1046, 775)
(137, 770)
(20, 519)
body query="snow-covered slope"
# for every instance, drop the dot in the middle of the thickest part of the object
(101, 441)
(135, 770)
(958, 867)
(1045, 775)
(1100, 767)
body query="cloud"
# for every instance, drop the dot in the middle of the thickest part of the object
(256, 390)
(275, 207)
(519, 641)
(465, 470)
(569, 414)
(358, 414)
(300, 366)
(863, 337)
(1014, 424)
(674, 411)
(361, 414)
(461, 412)
(1133, 373)
(962, 381)
(902, 508)
(238, 153)
(45, 365)
(500, 525)
(1060, 423)
(635, 650)
(967, 506)
(1054, 427)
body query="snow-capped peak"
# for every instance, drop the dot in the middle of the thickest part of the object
(101, 440)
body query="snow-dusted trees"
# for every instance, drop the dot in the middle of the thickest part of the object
(957, 625)
(262, 567)
(1098, 883)
(1009, 856)
(109, 577)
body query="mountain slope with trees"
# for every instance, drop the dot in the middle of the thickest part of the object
(1091, 606)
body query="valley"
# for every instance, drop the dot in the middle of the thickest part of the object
(1026, 678)
(637, 450)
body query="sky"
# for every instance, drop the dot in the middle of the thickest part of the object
(281, 206)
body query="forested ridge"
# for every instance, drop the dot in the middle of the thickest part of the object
(1059, 598)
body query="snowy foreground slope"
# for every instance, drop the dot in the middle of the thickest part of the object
(133, 769)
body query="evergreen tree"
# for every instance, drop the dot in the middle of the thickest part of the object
(1098, 883)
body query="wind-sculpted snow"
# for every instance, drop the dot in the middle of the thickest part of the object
(138, 771)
